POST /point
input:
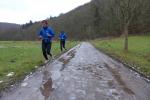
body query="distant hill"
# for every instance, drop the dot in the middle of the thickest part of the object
(9, 31)
(7, 26)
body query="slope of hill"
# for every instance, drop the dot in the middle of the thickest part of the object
(9, 31)
(7, 26)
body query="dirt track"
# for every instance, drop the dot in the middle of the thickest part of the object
(83, 73)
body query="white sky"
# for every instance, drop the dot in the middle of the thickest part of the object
(21, 11)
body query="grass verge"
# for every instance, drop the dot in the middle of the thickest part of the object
(138, 55)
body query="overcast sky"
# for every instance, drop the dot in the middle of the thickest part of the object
(21, 11)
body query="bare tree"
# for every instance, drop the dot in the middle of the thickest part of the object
(126, 10)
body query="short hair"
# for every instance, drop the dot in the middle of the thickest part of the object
(44, 21)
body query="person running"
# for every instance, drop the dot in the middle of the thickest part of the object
(62, 38)
(46, 34)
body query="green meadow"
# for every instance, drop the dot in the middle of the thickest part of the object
(21, 57)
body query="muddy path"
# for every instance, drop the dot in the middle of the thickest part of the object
(83, 73)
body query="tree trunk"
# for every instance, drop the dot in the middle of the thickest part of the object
(126, 37)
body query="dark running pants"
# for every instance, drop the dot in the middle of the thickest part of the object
(46, 48)
(62, 44)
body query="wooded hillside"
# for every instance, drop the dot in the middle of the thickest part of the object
(99, 18)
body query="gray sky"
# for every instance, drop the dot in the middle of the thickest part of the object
(21, 11)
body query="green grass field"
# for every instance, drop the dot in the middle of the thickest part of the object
(138, 55)
(21, 58)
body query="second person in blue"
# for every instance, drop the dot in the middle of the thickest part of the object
(62, 37)
(46, 34)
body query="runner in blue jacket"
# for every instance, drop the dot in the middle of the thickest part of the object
(46, 34)
(62, 38)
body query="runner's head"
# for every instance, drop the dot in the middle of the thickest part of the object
(62, 32)
(44, 23)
